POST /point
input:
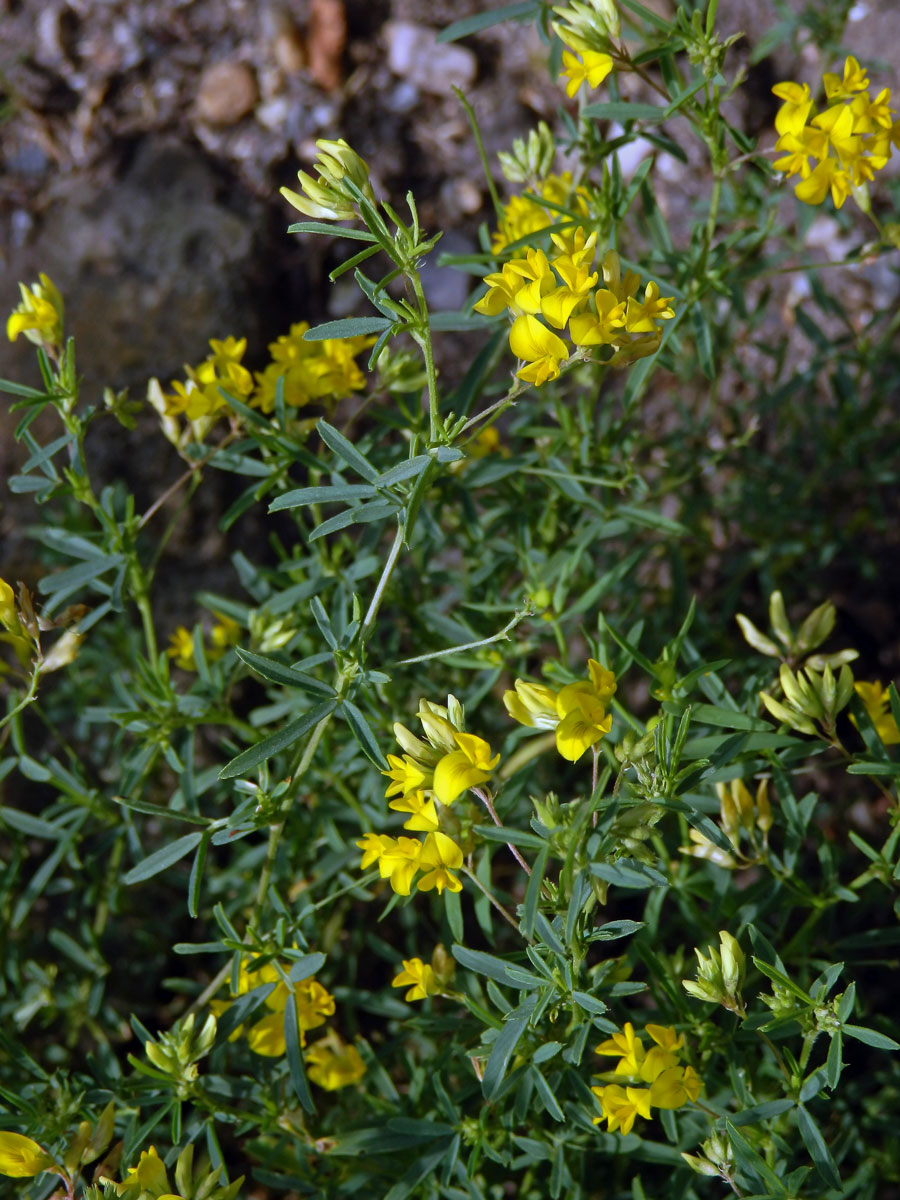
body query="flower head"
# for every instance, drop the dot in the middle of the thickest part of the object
(20, 1157)
(39, 315)
(419, 977)
(464, 767)
(333, 1064)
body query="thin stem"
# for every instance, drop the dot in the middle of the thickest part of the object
(381, 586)
(517, 618)
(485, 798)
(479, 142)
(422, 336)
(494, 901)
(30, 695)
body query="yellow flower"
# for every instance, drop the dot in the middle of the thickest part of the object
(621, 1106)
(39, 315)
(581, 708)
(313, 1003)
(674, 1087)
(9, 617)
(876, 701)
(332, 1064)
(640, 317)
(406, 775)
(538, 347)
(424, 817)
(443, 856)
(627, 1047)
(854, 80)
(503, 287)
(602, 324)
(182, 649)
(465, 767)
(419, 977)
(524, 215)
(224, 634)
(791, 116)
(532, 704)
(20, 1157)
(397, 858)
(592, 68)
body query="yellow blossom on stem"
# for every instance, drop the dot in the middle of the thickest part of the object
(532, 704)
(538, 347)
(21, 1158)
(332, 1064)
(440, 856)
(182, 649)
(877, 703)
(602, 323)
(419, 977)
(591, 68)
(424, 816)
(581, 707)
(406, 775)
(39, 315)
(464, 768)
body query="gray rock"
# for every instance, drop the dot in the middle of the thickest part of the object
(415, 54)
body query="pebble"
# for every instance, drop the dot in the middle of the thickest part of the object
(415, 54)
(226, 94)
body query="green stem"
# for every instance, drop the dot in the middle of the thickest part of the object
(31, 694)
(493, 900)
(479, 142)
(422, 337)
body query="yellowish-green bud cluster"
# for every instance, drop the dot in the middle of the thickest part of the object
(720, 975)
(328, 198)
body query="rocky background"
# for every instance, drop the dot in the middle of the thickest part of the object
(143, 142)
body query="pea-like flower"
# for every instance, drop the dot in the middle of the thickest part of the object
(332, 1063)
(39, 315)
(464, 768)
(419, 977)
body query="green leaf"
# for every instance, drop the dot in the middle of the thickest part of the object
(751, 1163)
(197, 875)
(363, 733)
(294, 1055)
(405, 470)
(277, 672)
(347, 328)
(817, 1147)
(378, 510)
(711, 714)
(510, 12)
(336, 441)
(340, 493)
(84, 572)
(453, 909)
(306, 965)
(624, 110)
(533, 893)
(551, 1104)
(628, 873)
(253, 756)
(162, 858)
(357, 235)
(493, 968)
(762, 1112)
(871, 1038)
(501, 1052)
(32, 826)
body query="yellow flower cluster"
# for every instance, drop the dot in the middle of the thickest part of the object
(563, 291)
(39, 315)
(851, 139)
(222, 635)
(578, 711)
(658, 1078)
(524, 215)
(877, 703)
(310, 372)
(430, 773)
(329, 1061)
